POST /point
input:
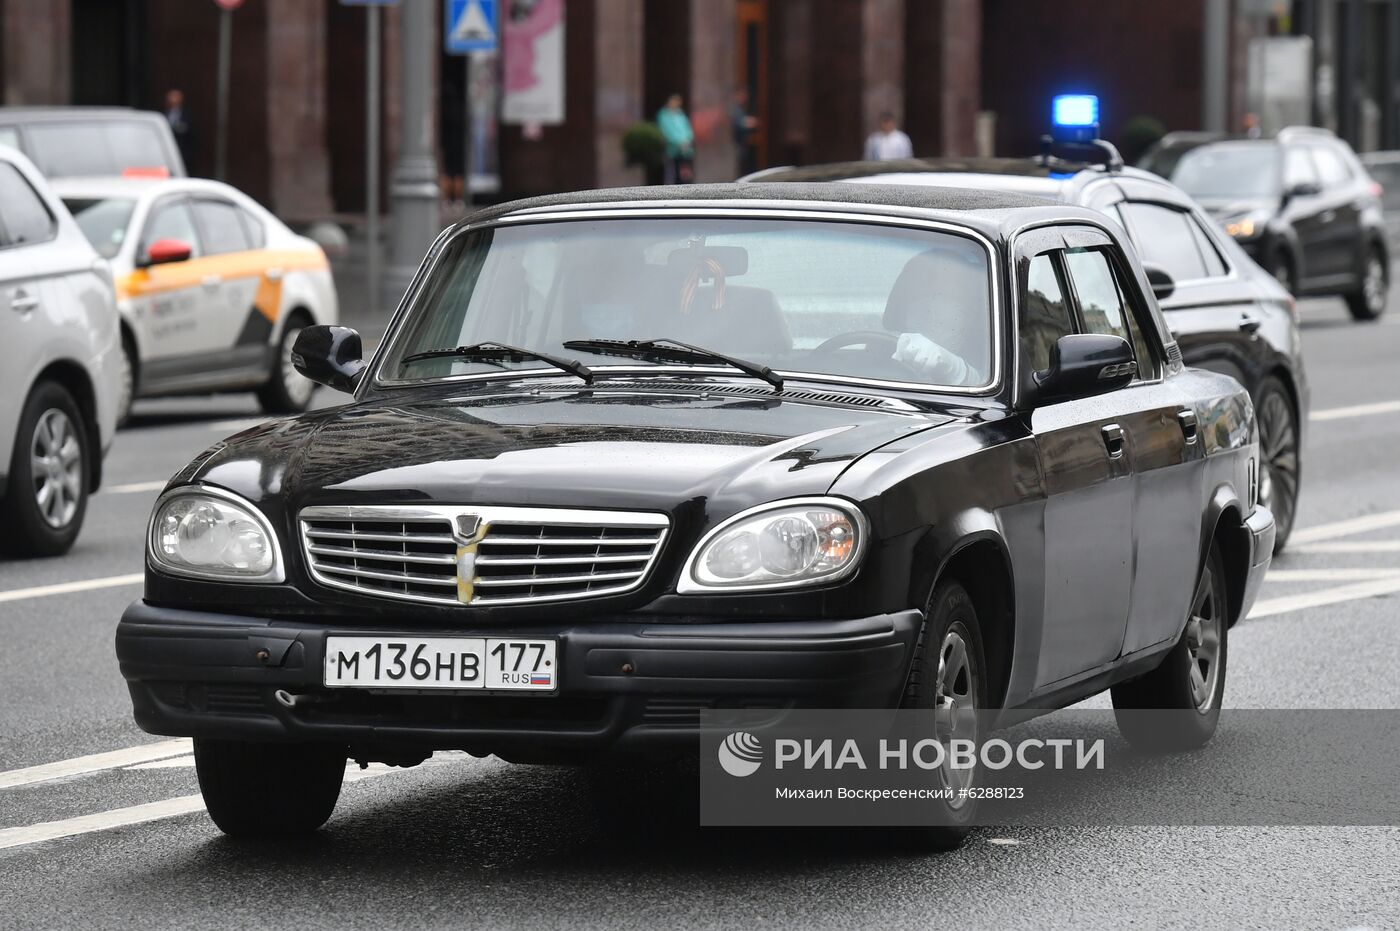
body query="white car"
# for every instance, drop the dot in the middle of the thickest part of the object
(212, 288)
(60, 365)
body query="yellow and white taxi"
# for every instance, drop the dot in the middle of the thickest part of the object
(212, 288)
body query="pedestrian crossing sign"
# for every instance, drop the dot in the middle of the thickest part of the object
(470, 26)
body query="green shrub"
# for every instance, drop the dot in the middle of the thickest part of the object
(644, 145)
(1138, 134)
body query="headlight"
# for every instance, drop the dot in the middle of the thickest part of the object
(210, 533)
(1247, 226)
(802, 541)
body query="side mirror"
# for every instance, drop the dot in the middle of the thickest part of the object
(1302, 189)
(1163, 285)
(330, 356)
(165, 251)
(1086, 364)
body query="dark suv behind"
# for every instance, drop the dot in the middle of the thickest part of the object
(1303, 206)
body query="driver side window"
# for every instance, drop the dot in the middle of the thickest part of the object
(172, 220)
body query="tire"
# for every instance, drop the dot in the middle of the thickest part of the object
(266, 789)
(1279, 478)
(1284, 271)
(46, 501)
(949, 662)
(1188, 710)
(1368, 301)
(287, 391)
(126, 390)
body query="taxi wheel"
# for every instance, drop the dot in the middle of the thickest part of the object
(948, 677)
(1177, 705)
(1368, 301)
(43, 508)
(287, 391)
(264, 789)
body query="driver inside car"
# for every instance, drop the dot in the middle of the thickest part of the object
(939, 308)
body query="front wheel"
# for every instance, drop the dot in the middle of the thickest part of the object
(1278, 454)
(287, 391)
(1368, 301)
(44, 505)
(1177, 705)
(948, 677)
(261, 789)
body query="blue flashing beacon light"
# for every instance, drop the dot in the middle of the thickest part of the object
(1075, 118)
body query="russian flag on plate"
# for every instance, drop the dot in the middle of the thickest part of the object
(539, 678)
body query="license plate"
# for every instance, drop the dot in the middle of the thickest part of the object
(441, 663)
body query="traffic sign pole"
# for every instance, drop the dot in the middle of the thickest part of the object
(372, 151)
(225, 51)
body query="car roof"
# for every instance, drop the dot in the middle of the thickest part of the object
(31, 114)
(1034, 176)
(989, 211)
(103, 186)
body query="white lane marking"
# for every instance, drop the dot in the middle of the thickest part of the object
(135, 814)
(1330, 575)
(1345, 528)
(133, 488)
(66, 588)
(1353, 546)
(1324, 596)
(178, 762)
(1003, 841)
(95, 762)
(1356, 410)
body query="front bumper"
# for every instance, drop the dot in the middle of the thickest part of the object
(200, 674)
(1260, 527)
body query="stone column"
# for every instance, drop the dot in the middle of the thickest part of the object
(299, 169)
(711, 88)
(943, 75)
(882, 60)
(415, 216)
(617, 87)
(38, 43)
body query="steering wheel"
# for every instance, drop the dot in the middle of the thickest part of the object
(858, 338)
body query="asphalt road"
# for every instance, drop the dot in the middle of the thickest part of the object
(460, 842)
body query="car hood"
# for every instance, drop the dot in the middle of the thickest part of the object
(600, 449)
(1221, 207)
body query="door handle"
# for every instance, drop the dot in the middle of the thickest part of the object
(23, 302)
(212, 281)
(1113, 440)
(1250, 323)
(1189, 427)
(1327, 216)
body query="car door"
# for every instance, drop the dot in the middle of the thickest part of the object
(1210, 311)
(1161, 433)
(1086, 461)
(168, 300)
(1305, 210)
(1342, 214)
(238, 324)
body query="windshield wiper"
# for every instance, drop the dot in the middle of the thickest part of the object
(665, 349)
(501, 352)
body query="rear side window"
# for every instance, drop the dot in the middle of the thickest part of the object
(1165, 237)
(171, 220)
(1210, 254)
(257, 233)
(1102, 307)
(24, 217)
(221, 226)
(1045, 314)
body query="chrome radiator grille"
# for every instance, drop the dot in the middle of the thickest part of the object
(480, 556)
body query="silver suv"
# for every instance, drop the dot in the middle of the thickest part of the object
(60, 362)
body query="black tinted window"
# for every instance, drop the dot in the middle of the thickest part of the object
(1164, 237)
(1045, 315)
(222, 228)
(171, 220)
(25, 218)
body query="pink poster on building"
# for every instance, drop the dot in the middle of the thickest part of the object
(533, 58)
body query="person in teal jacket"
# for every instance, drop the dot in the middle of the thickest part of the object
(680, 141)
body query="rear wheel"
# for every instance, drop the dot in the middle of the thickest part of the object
(1368, 301)
(43, 508)
(1278, 453)
(1186, 689)
(261, 789)
(126, 387)
(287, 391)
(948, 677)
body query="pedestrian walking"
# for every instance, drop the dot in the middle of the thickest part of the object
(181, 126)
(743, 124)
(888, 141)
(680, 141)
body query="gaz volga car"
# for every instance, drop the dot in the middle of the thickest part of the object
(212, 288)
(626, 455)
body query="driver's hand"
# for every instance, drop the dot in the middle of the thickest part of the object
(919, 352)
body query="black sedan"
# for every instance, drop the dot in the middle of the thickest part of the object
(1226, 313)
(630, 454)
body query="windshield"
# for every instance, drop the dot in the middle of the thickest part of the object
(1234, 170)
(103, 221)
(796, 296)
